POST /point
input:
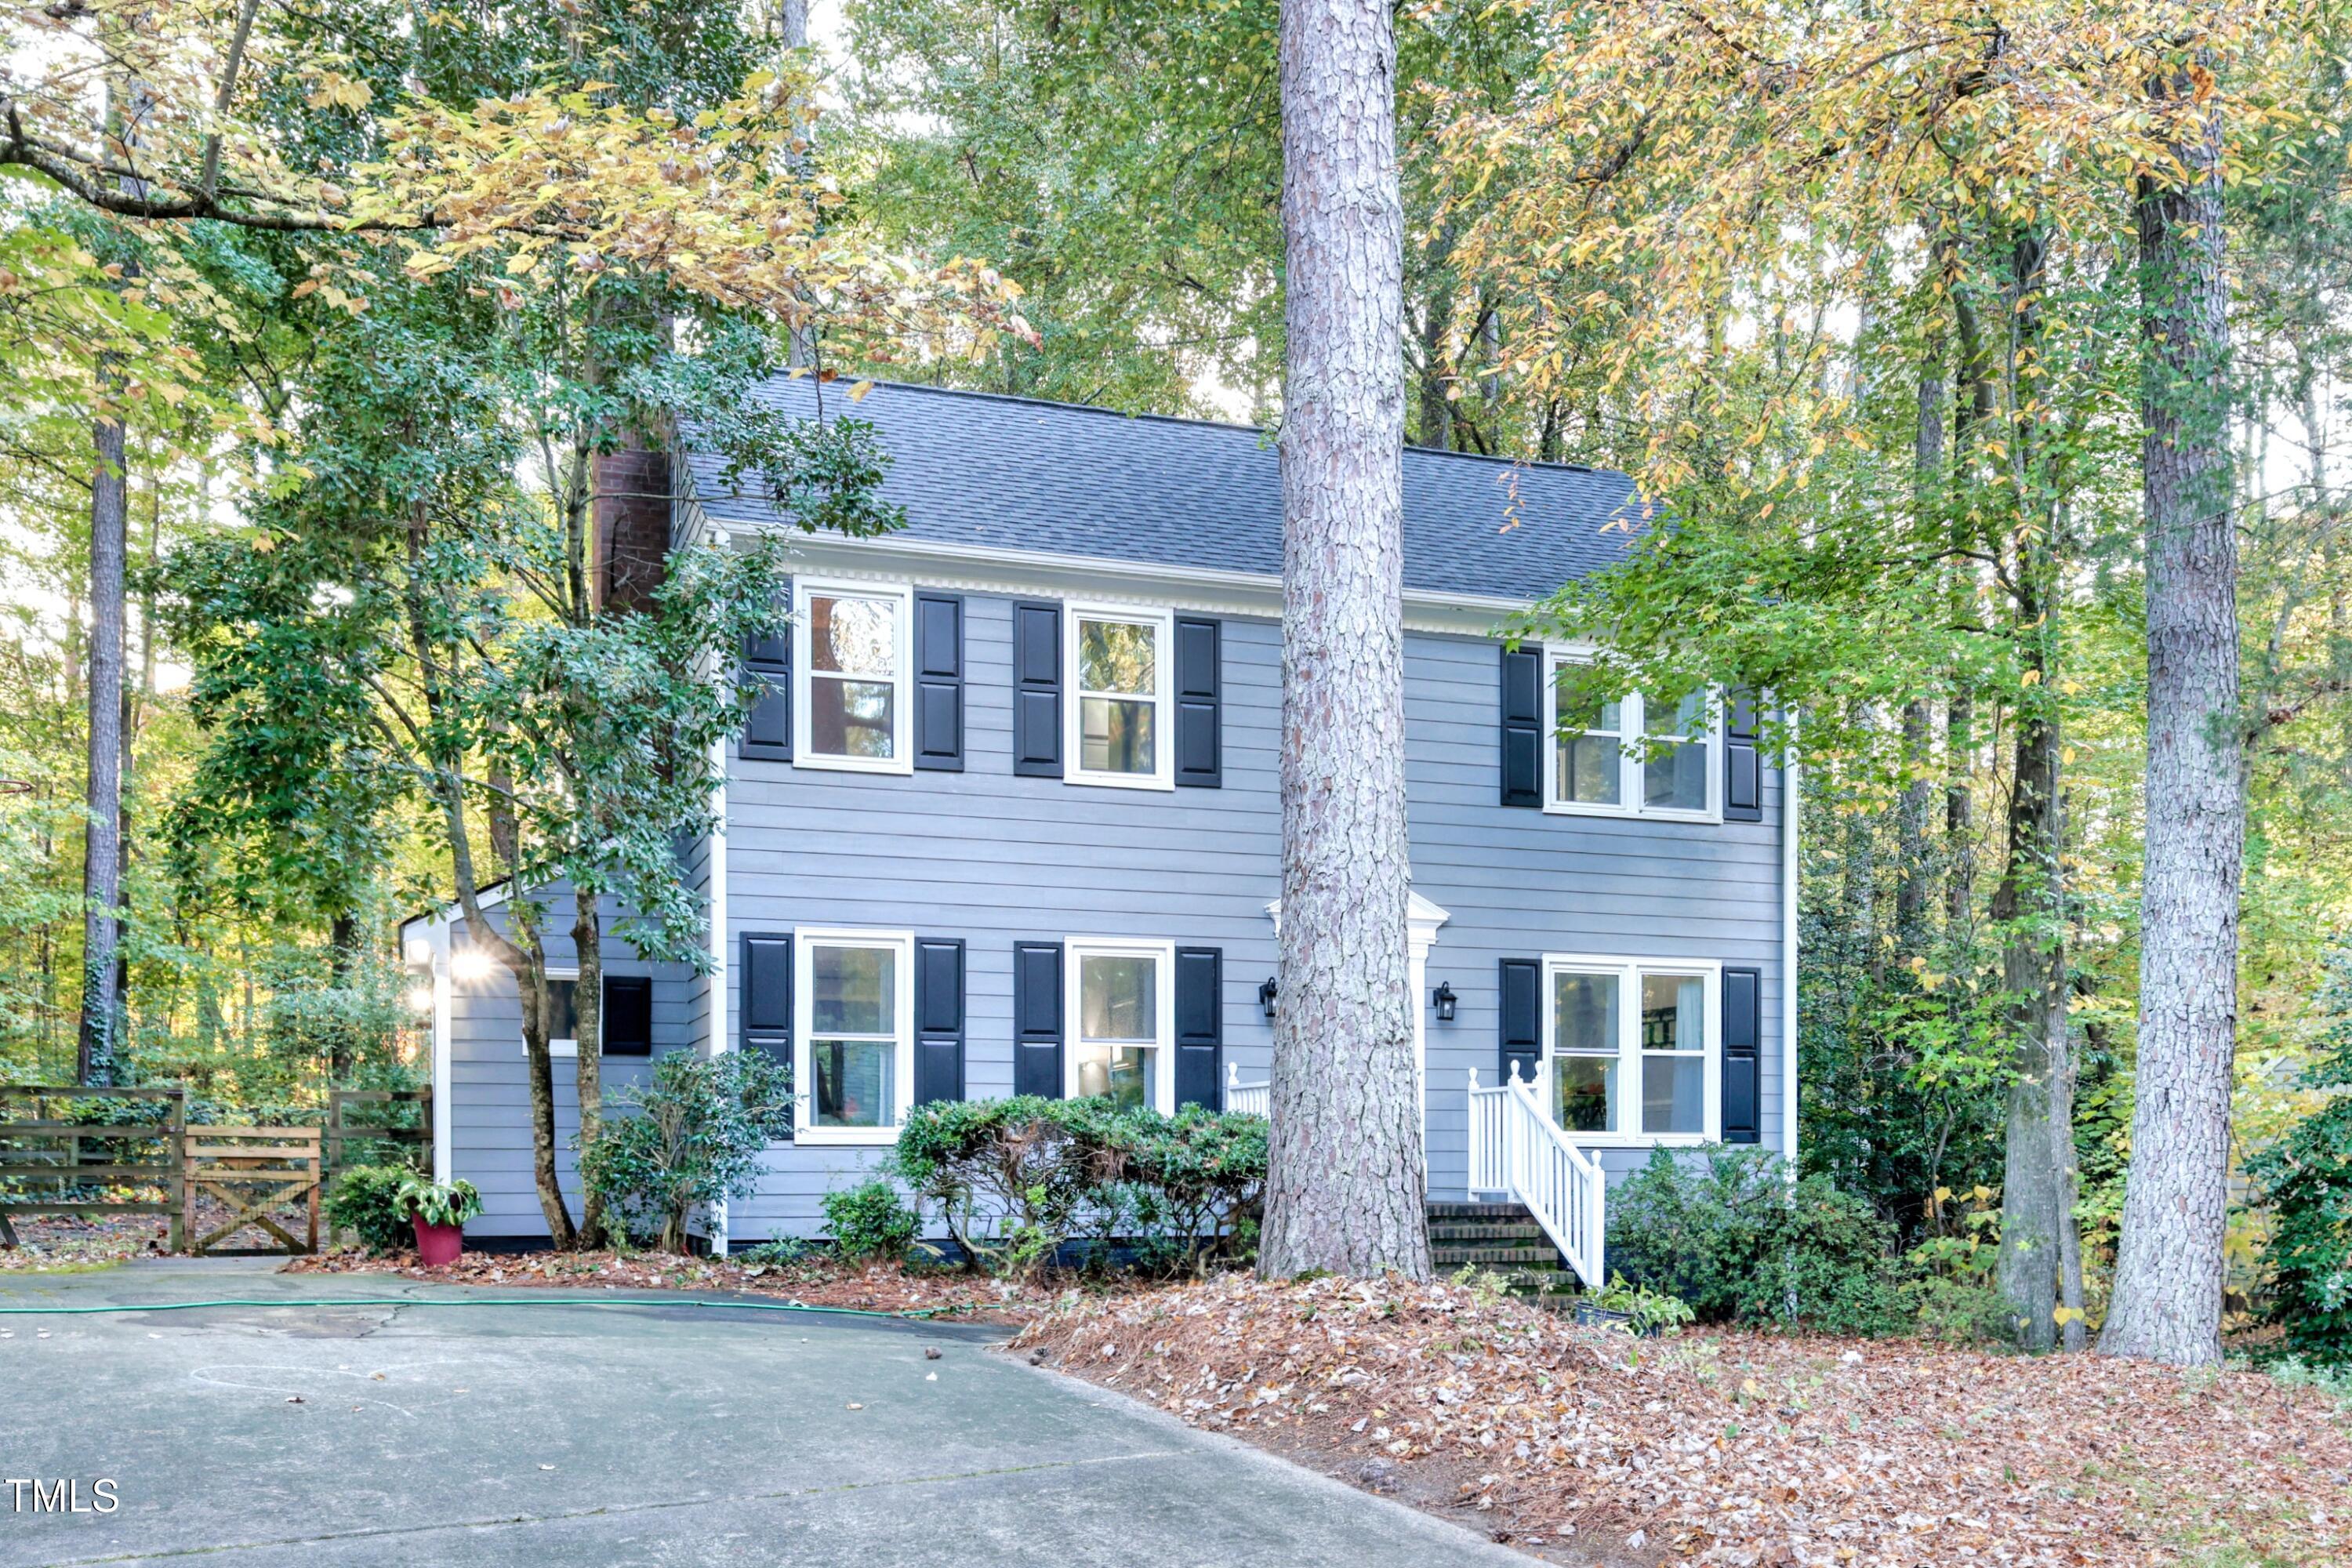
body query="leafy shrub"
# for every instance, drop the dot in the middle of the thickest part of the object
(688, 1134)
(784, 1252)
(436, 1203)
(2308, 1178)
(1015, 1180)
(1951, 1290)
(1731, 1235)
(869, 1221)
(365, 1200)
(1647, 1312)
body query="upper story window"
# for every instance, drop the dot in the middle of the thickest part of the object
(1634, 757)
(1124, 1006)
(851, 658)
(1632, 1050)
(1119, 715)
(854, 1067)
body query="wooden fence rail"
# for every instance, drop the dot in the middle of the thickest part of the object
(48, 1146)
(344, 1132)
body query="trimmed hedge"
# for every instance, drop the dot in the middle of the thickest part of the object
(1017, 1181)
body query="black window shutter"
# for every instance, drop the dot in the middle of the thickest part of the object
(1743, 1035)
(1200, 1025)
(938, 1019)
(628, 1016)
(768, 671)
(1199, 758)
(1037, 690)
(1038, 1018)
(1743, 773)
(938, 683)
(1521, 1013)
(766, 1005)
(1523, 726)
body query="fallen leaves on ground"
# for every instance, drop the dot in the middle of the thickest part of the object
(1586, 1445)
(817, 1281)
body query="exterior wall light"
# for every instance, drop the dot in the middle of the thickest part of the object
(1265, 995)
(1444, 999)
(471, 966)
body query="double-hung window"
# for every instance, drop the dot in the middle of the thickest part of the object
(851, 657)
(1633, 1049)
(1122, 1000)
(1119, 718)
(1636, 756)
(854, 1053)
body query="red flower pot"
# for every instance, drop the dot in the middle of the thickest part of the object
(437, 1246)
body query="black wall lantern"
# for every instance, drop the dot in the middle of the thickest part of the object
(1444, 997)
(1265, 997)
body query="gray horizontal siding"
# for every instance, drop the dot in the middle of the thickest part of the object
(992, 858)
(489, 1110)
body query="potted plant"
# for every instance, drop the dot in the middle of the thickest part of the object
(439, 1211)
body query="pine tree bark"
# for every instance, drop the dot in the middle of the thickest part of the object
(1344, 1189)
(101, 867)
(2169, 1267)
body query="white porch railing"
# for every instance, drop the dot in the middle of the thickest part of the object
(1247, 1099)
(1515, 1149)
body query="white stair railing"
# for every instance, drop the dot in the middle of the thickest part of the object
(1247, 1099)
(1515, 1149)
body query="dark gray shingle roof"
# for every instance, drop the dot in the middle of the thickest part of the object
(1014, 473)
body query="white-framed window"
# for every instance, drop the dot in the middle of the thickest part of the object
(1122, 1008)
(851, 655)
(1635, 756)
(853, 1035)
(1118, 723)
(1633, 1049)
(563, 1021)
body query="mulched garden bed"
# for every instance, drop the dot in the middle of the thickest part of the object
(1584, 1446)
(816, 1281)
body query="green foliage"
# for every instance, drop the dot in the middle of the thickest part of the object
(367, 1199)
(870, 1221)
(1647, 1313)
(1015, 1180)
(1729, 1235)
(436, 1203)
(690, 1133)
(2305, 1178)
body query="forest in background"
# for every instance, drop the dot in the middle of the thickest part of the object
(1852, 292)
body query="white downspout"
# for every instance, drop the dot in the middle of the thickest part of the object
(1789, 804)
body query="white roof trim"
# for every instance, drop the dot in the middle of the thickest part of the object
(998, 569)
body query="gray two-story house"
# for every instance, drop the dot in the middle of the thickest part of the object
(1005, 820)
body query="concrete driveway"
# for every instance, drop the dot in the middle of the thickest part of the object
(646, 1433)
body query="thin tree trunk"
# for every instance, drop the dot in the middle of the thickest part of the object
(1914, 874)
(1345, 1162)
(2169, 1269)
(101, 874)
(588, 1040)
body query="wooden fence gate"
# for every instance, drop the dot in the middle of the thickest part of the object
(254, 1170)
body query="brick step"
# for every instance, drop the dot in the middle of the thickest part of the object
(1524, 1257)
(1494, 1231)
(1446, 1212)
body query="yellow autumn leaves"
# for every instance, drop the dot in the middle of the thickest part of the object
(555, 189)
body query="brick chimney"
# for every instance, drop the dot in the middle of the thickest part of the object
(632, 520)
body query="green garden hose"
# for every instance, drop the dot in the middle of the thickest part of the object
(914, 1312)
